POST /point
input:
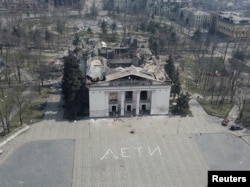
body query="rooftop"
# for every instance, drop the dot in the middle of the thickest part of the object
(105, 74)
(195, 11)
(141, 66)
(234, 18)
(150, 72)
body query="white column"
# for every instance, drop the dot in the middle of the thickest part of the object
(138, 102)
(152, 110)
(107, 104)
(122, 103)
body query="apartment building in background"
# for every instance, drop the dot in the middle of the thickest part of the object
(231, 24)
(195, 18)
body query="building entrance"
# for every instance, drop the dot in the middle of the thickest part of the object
(128, 107)
(113, 108)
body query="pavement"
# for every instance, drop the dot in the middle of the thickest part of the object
(33, 154)
(140, 151)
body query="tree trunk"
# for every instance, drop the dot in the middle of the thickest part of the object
(3, 123)
(39, 89)
(19, 74)
(213, 88)
(20, 118)
(8, 78)
(225, 53)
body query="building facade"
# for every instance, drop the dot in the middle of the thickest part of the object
(195, 18)
(232, 24)
(22, 5)
(164, 7)
(129, 4)
(128, 91)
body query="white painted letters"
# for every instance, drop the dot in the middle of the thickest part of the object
(153, 152)
(107, 153)
(133, 152)
(123, 152)
(139, 150)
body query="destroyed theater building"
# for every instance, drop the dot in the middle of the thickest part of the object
(127, 87)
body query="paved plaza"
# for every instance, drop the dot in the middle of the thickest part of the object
(36, 164)
(138, 151)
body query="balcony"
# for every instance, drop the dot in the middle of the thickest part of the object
(129, 100)
(145, 101)
(113, 101)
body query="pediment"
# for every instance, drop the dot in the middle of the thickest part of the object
(130, 75)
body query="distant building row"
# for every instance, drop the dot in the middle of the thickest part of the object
(194, 18)
(20, 4)
(230, 24)
(34, 4)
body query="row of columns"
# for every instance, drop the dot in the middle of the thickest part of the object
(122, 103)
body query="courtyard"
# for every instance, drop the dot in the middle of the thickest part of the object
(136, 151)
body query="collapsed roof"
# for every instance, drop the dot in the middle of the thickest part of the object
(98, 73)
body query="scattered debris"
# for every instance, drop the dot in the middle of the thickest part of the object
(132, 132)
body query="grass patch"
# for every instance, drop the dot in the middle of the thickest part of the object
(34, 110)
(216, 110)
(85, 34)
(109, 38)
(187, 64)
(32, 114)
(189, 79)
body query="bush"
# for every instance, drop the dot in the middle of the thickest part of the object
(181, 106)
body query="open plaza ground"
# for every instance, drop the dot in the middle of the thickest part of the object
(138, 151)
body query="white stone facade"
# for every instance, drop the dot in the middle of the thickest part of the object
(149, 99)
(196, 18)
(130, 88)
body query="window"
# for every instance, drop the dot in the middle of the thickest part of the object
(143, 107)
(144, 95)
(128, 107)
(129, 95)
(113, 108)
(113, 96)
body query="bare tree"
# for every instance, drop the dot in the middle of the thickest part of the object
(80, 7)
(8, 65)
(42, 70)
(18, 58)
(236, 66)
(225, 52)
(93, 10)
(241, 97)
(20, 101)
(48, 38)
(6, 107)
